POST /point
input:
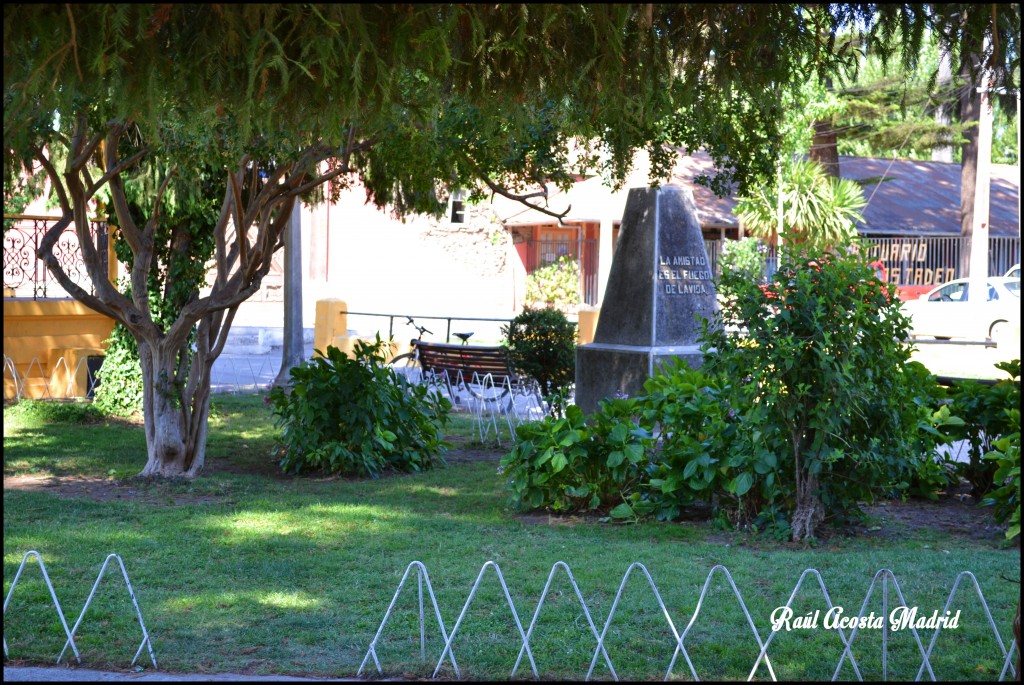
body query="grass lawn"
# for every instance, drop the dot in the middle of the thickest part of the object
(247, 571)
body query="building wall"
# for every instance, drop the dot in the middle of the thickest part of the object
(376, 263)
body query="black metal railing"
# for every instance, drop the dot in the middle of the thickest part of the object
(25, 273)
(403, 318)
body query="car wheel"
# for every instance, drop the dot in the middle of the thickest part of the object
(999, 331)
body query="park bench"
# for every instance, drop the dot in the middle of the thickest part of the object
(485, 372)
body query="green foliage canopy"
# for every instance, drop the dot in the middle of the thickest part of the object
(431, 91)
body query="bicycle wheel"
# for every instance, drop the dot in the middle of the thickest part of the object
(407, 366)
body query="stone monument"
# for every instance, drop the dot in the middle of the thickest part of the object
(659, 284)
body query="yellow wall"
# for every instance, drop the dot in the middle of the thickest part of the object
(39, 333)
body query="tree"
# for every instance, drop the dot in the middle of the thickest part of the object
(908, 114)
(280, 102)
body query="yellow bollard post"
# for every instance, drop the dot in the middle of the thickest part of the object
(331, 323)
(587, 325)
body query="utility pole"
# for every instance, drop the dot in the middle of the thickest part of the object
(978, 273)
(782, 222)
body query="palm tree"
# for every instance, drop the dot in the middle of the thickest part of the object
(818, 210)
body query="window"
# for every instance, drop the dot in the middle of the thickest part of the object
(458, 214)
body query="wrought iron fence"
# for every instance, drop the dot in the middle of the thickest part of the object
(27, 276)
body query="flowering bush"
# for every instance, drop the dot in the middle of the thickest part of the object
(826, 386)
(812, 408)
(556, 285)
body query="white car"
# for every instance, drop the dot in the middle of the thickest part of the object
(1013, 272)
(945, 312)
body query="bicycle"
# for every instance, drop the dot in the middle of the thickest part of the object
(409, 362)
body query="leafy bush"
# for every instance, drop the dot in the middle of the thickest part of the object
(542, 343)
(556, 284)
(119, 392)
(983, 410)
(692, 460)
(1006, 496)
(745, 258)
(823, 383)
(569, 464)
(632, 458)
(357, 416)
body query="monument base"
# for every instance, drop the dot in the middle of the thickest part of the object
(605, 370)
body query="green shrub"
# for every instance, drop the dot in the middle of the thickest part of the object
(745, 259)
(542, 343)
(633, 457)
(357, 416)
(823, 384)
(692, 459)
(983, 410)
(574, 464)
(1006, 495)
(119, 392)
(556, 284)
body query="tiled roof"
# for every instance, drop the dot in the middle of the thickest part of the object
(923, 198)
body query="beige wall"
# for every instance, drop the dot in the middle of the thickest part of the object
(38, 334)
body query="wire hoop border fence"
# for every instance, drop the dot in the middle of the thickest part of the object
(70, 633)
(884, 576)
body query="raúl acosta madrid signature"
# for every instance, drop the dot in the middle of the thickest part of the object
(900, 618)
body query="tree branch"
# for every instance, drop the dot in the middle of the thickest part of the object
(129, 229)
(55, 182)
(522, 199)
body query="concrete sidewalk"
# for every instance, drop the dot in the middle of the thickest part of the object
(39, 674)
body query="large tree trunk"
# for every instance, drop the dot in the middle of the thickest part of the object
(175, 416)
(824, 147)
